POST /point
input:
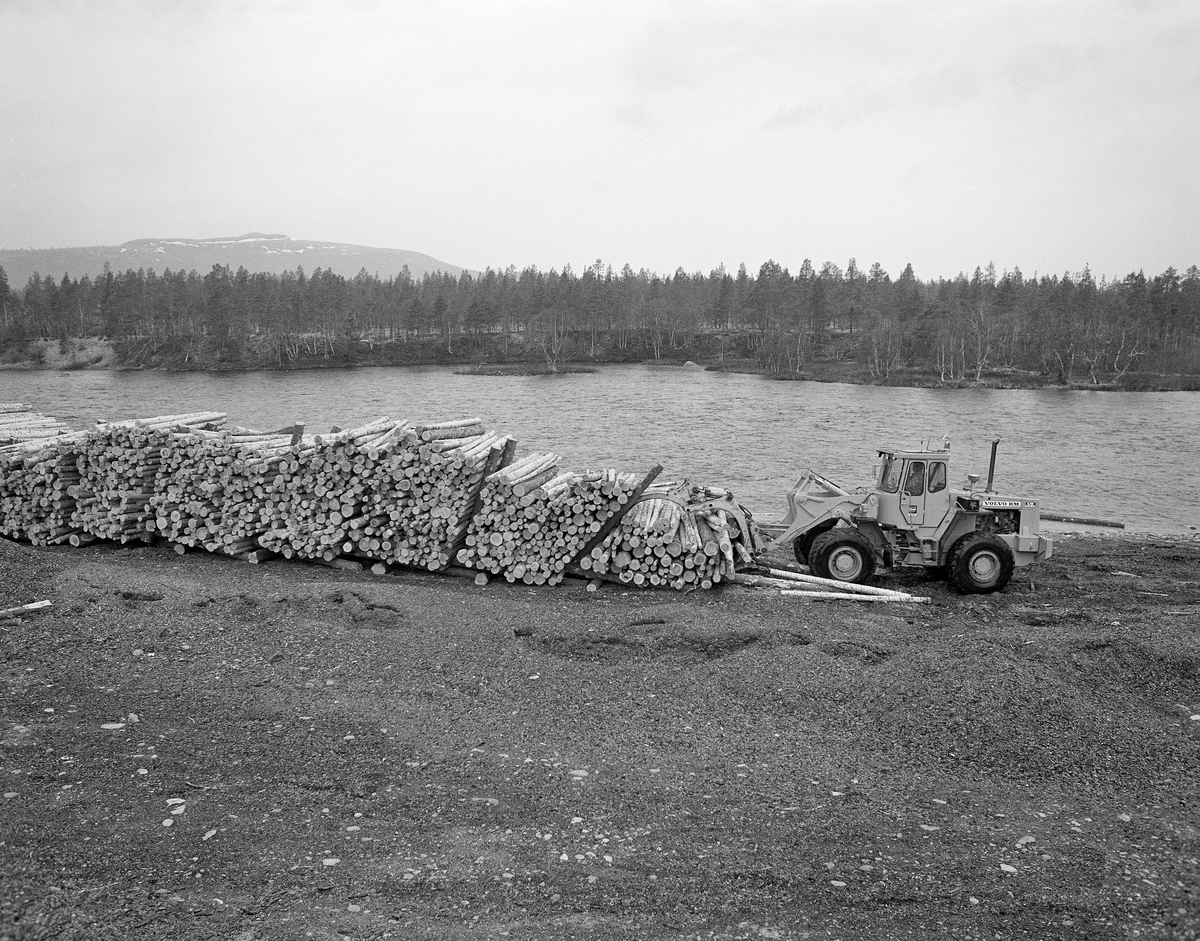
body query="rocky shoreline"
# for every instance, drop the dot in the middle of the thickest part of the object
(195, 747)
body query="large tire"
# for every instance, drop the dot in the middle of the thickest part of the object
(802, 547)
(979, 563)
(842, 554)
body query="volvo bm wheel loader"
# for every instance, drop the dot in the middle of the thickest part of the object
(910, 516)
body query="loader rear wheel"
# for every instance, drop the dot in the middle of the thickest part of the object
(979, 563)
(842, 554)
(804, 542)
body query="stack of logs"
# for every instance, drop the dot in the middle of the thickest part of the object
(386, 491)
(423, 496)
(118, 466)
(212, 486)
(19, 424)
(78, 487)
(421, 503)
(534, 519)
(663, 542)
(37, 469)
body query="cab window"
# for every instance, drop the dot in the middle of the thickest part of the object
(889, 474)
(937, 476)
(914, 486)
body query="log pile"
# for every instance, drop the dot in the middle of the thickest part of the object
(211, 488)
(386, 491)
(428, 496)
(425, 492)
(37, 471)
(37, 476)
(118, 466)
(317, 493)
(19, 424)
(534, 518)
(663, 541)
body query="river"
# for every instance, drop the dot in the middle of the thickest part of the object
(1116, 455)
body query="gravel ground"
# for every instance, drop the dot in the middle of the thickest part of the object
(198, 748)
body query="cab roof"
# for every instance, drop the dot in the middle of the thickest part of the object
(936, 454)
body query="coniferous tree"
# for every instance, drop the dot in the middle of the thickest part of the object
(4, 299)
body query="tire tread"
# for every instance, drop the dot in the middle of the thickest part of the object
(958, 563)
(825, 543)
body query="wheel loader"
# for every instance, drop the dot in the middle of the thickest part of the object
(909, 516)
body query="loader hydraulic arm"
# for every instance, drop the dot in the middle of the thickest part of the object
(816, 502)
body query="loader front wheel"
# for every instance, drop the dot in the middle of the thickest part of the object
(979, 563)
(843, 555)
(804, 542)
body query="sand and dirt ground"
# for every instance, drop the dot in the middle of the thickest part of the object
(197, 748)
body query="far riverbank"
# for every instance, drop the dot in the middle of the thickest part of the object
(519, 357)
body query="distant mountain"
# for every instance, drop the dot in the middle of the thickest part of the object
(254, 251)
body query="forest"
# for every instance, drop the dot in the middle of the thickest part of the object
(1065, 329)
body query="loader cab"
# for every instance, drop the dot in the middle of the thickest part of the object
(913, 489)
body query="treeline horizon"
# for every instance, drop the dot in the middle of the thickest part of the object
(1070, 327)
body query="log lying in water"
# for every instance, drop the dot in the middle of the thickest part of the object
(1084, 520)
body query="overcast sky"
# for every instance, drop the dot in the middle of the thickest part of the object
(947, 134)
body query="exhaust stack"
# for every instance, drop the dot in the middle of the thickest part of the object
(992, 466)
